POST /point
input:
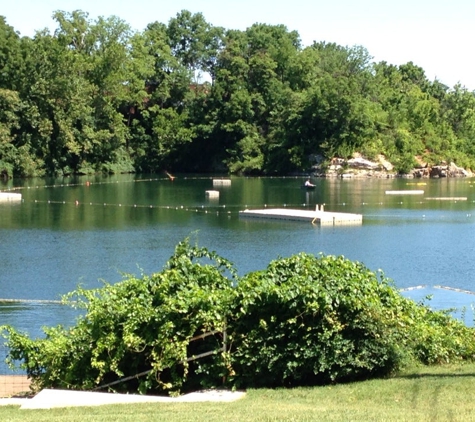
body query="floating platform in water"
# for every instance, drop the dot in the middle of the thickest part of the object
(448, 198)
(8, 196)
(405, 192)
(212, 193)
(221, 182)
(315, 217)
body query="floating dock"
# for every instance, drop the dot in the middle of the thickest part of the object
(448, 198)
(221, 182)
(212, 193)
(7, 196)
(318, 216)
(405, 192)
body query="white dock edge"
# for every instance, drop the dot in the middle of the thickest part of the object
(222, 182)
(316, 217)
(405, 192)
(447, 198)
(8, 196)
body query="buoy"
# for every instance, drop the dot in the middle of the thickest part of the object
(212, 194)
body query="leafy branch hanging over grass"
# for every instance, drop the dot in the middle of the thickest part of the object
(304, 320)
(133, 326)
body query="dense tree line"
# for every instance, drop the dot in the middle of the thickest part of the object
(95, 96)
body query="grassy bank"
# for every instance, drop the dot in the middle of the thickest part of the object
(443, 393)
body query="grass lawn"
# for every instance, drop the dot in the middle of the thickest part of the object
(442, 393)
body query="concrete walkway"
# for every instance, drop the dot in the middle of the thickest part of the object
(47, 399)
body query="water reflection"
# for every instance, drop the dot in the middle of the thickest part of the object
(85, 229)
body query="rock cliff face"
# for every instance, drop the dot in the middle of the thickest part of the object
(359, 167)
(443, 170)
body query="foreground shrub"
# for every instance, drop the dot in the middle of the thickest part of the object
(308, 320)
(436, 337)
(305, 320)
(137, 325)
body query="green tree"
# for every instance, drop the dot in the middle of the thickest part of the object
(97, 96)
(10, 105)
(195, 42)
(111, 66)
(249, 95)
(459, 112)
(11, 57)
(160, 128)
(17, 155)
(336, 112)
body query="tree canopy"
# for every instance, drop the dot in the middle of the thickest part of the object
(95, 96)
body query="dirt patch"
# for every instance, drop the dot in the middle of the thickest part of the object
(14, 385)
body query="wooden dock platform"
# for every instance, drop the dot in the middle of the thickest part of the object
(7, 196)
(320, 217)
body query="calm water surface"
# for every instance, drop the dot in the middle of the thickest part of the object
(83, 230)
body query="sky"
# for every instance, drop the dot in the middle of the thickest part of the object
(437, 35)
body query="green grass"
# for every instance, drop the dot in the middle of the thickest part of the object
(443, 393)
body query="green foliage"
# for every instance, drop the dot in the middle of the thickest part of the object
(194, 41)
(133, 326)
(436, 338)
(307, 320)
(404, 163)
(96, 96)
(304, 320)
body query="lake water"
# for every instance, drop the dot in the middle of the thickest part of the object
(84, 230)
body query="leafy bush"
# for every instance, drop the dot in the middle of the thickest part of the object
(133, 326)
(304, 320)
(435, 337)
(308, 320)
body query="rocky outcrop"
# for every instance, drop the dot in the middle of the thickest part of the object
(450, 170)
(355, 167)
(360, 167)
(441, 170)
